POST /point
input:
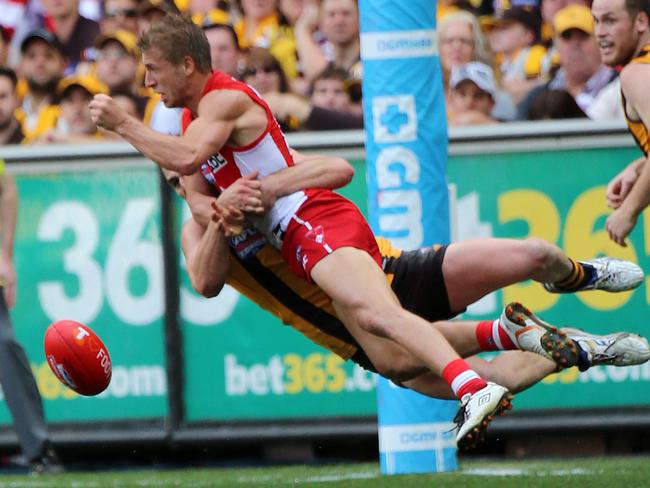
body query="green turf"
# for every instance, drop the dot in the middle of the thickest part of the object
(628, 472)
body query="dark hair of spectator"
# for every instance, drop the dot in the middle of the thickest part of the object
(139, 102)
(635, 6)
(9, 73)
(261, 58)
(180, 37)
(225, 27)
(555, 104)
(331, 72)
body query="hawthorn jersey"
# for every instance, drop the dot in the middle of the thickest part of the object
(267, 154)
(259, 272)
(637, 127)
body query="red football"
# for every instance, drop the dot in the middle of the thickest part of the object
(78, 357)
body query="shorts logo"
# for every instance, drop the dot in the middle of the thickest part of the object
(304, 262)
(298, 253)
(317, 234)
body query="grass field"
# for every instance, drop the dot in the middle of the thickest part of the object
(628, 472)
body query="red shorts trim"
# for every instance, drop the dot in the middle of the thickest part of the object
(325, 222)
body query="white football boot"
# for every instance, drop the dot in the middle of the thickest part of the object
(477, 411)
(617, 349)
(608, 274)
(530, 333)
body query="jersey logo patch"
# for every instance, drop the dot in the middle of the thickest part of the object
(248, 243)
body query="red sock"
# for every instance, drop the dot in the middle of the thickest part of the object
(491, 336)
(462, 378)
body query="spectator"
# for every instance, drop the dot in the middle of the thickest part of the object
(519, 58)
(460, 41)
(118, 63)
(473, 93)
(150, 11)
(204, 12)
(555, 104)
(74, 123)
(261, 70)
(329, 90)
(5, 43)
(260, 26)
(548, 9)
(10, 130)
(42, 66)
(581, 71)
(330, 106)
(224, 48)
(120, 14)
(76, 33)
(339, 24)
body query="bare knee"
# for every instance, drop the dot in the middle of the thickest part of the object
(378, 321)
(541, 256)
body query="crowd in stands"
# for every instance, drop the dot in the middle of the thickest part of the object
(501, 60)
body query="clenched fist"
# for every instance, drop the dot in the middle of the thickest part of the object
(106, 113)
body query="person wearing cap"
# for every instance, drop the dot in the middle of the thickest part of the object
(120, 14)
(622, 30)
(514, 39)
(76, 33)
(581, 71)
(117, 59)
(42, 65)
(74, 123)
(473, 94)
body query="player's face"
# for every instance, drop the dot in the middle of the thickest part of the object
(165, 78)
(616, 31)
(174, 179)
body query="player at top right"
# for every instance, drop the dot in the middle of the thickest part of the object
(622, 30)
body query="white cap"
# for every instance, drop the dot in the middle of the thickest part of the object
(479, 73)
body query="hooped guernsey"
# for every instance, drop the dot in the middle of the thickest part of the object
(637, 127)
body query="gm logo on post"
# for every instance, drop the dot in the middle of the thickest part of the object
(394, 119)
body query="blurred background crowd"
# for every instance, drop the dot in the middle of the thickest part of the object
(501, 61)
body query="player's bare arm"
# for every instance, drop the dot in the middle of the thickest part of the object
(314, 171)
(207, 256)
(223, 115)
(622, 183)
(621, 222)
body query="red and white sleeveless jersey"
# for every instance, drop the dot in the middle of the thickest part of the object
(268, 154)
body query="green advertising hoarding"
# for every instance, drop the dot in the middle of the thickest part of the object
(88, 249)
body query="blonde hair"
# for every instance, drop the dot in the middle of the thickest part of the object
(481, 50)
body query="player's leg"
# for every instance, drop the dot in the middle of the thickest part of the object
(516, 370)
(472, 269)
(361, 295)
